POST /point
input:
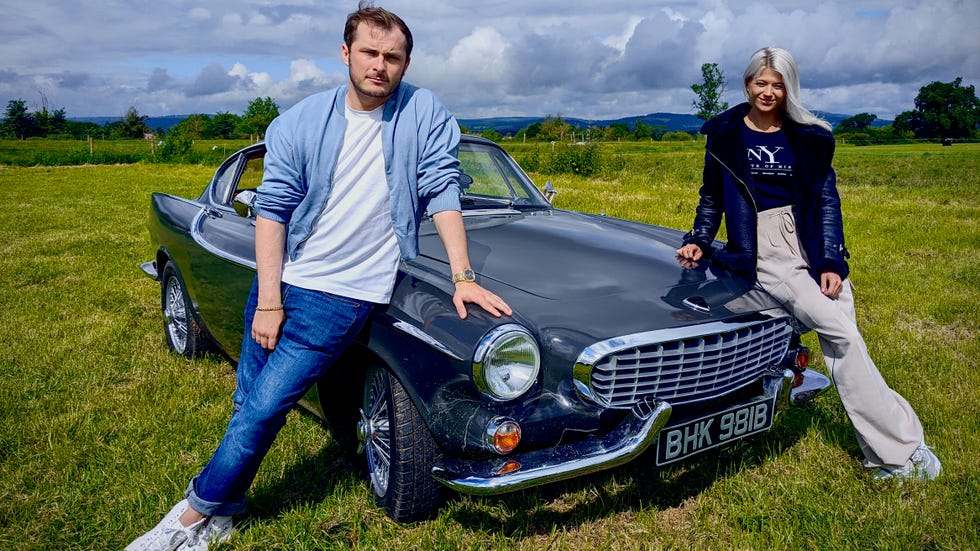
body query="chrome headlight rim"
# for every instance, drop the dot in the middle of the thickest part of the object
(496, 337)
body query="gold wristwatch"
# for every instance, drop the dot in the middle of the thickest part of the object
(466, 275)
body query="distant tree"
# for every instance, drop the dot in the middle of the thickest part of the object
(223, 126)
(176, 144)
(858, 123)
(491, 135)
(258, 116)
(193, 127)
(554, 129)
(18, 121)
(593, 133)
(616, 131)
(942, 110)
(677, 136)
(133, 125)
(708, 101)
(530, 132)
(81, 130)
(642, 131)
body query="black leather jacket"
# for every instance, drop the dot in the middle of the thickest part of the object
(727, 189)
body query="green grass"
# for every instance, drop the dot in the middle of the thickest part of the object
(103, 428)
(56, 152)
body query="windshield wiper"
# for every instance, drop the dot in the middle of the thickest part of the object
(469, 200)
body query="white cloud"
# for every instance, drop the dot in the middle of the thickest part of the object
(589, 60)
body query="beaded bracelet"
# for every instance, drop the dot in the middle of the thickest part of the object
(273, 309)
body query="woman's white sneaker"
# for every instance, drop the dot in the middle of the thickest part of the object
(923, 465)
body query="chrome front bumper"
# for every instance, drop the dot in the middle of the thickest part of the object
(627, 441)
(596, 453)
(150, 268)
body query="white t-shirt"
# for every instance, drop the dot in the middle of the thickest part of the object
(352, 250)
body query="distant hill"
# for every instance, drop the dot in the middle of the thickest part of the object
(164, 122)
(511, 125)
(673, 121)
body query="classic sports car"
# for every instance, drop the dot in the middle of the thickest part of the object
(612, 349)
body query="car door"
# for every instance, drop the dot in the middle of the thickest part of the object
(225, 231)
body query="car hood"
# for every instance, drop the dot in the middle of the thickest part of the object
(607, 272)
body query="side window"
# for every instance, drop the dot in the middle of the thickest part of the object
(251, 173)
(249, 178)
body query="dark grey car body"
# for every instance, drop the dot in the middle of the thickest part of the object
(631, 345)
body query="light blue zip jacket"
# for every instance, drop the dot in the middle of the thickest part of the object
(420, 139)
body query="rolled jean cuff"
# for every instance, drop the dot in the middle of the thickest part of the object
(210, 508)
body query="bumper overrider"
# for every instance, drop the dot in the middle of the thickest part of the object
(631, 438)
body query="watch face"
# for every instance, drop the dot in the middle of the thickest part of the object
(466, 275)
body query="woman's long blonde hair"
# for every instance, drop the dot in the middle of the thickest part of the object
(782, 62)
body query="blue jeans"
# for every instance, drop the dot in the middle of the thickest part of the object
(318, 328)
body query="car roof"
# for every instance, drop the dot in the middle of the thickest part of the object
(470, 138)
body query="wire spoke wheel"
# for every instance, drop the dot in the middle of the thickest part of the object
(399, 450)
(185, 335)
(175, 315)
(377, 425)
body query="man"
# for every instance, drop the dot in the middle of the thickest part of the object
(348, 174)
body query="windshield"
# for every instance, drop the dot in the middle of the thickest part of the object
(492, 179)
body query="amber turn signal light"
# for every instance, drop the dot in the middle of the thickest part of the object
(504, 435)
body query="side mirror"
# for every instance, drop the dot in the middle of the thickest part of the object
(549, 191)
(244, 203)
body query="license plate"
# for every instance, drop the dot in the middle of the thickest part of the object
(693, 437)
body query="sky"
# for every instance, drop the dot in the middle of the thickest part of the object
(483, 58)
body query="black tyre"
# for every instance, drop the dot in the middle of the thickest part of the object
(184, 335)
(399, 450)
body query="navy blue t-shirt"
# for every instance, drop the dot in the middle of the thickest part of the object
(771, 165)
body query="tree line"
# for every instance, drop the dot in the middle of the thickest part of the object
(21, 123)
(942, 111)
(555, 129)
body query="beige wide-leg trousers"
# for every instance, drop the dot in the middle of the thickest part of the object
(888, 429)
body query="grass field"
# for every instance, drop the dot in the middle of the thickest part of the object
(54, 152)
(102, 427)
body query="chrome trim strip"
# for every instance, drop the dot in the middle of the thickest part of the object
(625, 443)
(486, 212)
(597, 351)
(696, 306)
(421, 335)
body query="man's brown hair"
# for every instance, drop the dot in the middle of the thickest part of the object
(376, 17)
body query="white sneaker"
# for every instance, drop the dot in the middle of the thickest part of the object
(169, 534)
(215, 530)
(923, 465)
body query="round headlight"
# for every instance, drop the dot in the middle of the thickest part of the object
(506, 362)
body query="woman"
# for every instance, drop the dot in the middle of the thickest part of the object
(768, 170)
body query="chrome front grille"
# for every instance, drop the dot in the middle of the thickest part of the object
(687, 364)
